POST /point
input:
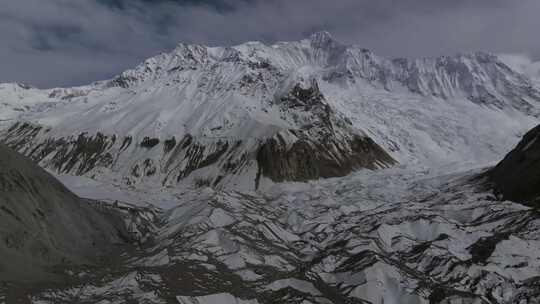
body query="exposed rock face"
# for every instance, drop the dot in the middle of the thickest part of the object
(305, 160)
(43, 224)
(517, 177)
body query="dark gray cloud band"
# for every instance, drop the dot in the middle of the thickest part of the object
(68, 42)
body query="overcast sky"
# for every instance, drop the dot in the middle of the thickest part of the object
(68, 42)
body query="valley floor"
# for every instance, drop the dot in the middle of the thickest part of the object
(392, 236)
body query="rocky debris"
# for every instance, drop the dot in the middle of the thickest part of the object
(517, 176)
(394, 237)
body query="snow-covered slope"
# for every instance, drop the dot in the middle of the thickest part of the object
(247, 115)
(523, 64)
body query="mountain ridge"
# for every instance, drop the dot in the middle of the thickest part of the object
(317, 90)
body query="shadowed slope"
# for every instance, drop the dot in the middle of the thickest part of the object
(517, 177)
(42, 223)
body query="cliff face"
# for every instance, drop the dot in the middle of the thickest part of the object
(42, 224)
(517, 177)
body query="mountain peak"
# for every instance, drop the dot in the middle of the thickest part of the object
(322, 38)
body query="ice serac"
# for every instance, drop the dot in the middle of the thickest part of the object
(517, 177)
(42, 224)
(252, 114)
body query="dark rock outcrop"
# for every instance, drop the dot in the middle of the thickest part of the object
(307, 159)
(149, 142)
(517, 177)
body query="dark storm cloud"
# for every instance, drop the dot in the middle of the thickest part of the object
(66, 42)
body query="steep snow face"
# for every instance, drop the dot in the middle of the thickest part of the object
(202, 115)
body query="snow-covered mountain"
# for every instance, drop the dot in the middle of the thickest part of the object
(425, 230)
(313, 108)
